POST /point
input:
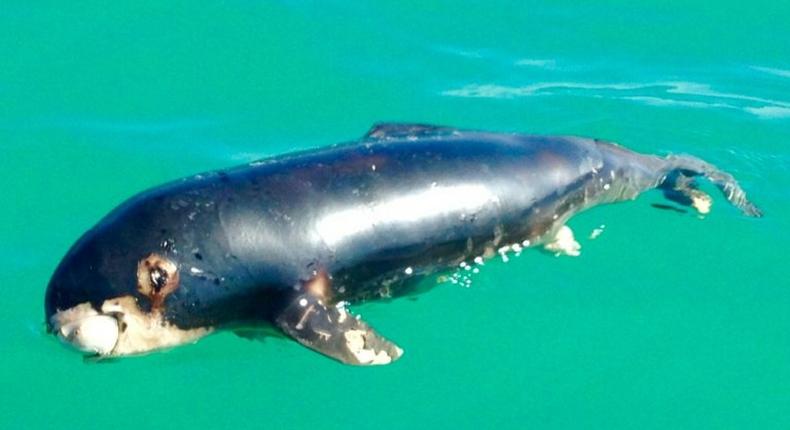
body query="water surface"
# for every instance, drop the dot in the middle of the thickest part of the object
(665, 321)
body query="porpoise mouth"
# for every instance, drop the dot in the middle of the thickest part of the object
(119, 327)
(86, 329)
(97, 334)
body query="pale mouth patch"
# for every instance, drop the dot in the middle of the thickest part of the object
(97, 334)
(121, 328)
(86, 329)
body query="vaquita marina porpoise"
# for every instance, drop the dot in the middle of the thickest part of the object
(287, 242)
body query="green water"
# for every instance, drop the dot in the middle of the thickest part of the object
(665, 321)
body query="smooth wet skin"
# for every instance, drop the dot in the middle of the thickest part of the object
(284, 240)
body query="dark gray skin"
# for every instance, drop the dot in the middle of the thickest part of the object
(256, 243)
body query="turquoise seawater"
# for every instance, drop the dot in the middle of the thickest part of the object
(665, 321)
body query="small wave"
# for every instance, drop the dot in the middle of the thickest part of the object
(496, 57)
(660, 93)
(504, 91)
(770, 112)
(696, 89)
(248, 156)
(658, 101)
(459, 52)
(537, 62)
(773, 71)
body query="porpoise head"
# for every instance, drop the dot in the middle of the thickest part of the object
(120, 288)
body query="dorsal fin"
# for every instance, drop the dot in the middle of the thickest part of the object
(386, 131)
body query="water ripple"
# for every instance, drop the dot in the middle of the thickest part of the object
(773, 71)
(769, 111)
(660, 93)
(542, 63)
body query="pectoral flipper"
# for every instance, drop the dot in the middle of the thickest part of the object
(333, 331)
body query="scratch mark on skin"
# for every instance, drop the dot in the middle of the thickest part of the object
(341, 308)
(323, 334)
(305, 315)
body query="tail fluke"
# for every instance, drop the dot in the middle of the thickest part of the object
(678, 169)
